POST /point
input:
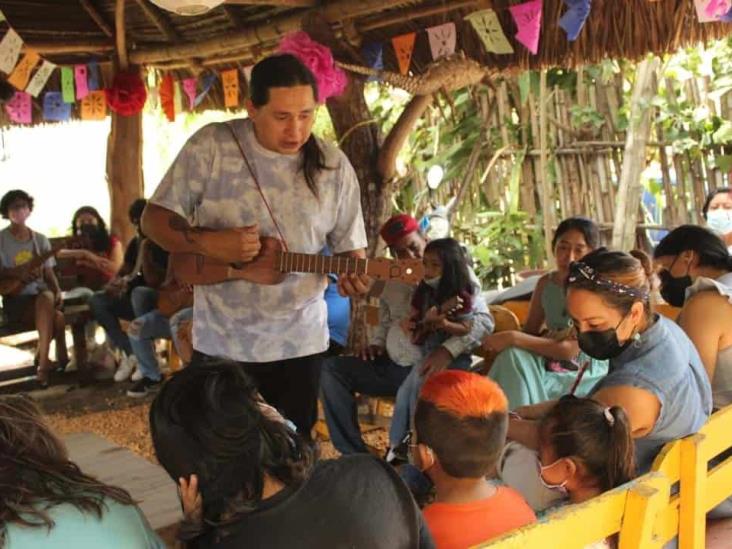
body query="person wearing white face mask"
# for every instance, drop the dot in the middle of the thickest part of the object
(30, 296)
(717, 212)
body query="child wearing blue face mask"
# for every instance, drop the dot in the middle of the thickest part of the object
(442, 307)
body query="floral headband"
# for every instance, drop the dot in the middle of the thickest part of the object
(579, 270)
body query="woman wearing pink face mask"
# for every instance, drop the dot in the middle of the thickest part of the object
(37, 299)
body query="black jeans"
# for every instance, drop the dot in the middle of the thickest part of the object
(289, 385)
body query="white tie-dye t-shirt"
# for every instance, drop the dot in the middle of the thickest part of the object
(210, 185)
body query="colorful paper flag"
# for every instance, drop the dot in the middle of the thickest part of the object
(94, 106)
(9, 51)
(528, 21)
(373, 56)
(489, 30)
(177, 97)
(55, 107)
(403, 47)
(208, 80)
(574, 19)
(80, 78)
(22, 71)
(230, 82)
(37, 83)
(19, 108)
(727, 17)
(92, 71)
(189, 88)
(167, 97)
(247, 72)
(442, 40)
(67, 84)
(709, 11)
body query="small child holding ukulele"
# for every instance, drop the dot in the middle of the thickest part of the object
(442, 307)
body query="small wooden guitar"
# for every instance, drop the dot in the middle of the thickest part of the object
(273, 263)
(173, 297)
(423, 327)
(13, 286)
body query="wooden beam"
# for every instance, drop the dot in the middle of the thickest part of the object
(85, 46)
(97, 17)
(416, 13)
(269, 31)
(119, 24)
(159, 20)
(276, 3)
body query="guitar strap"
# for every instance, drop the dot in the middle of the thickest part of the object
(256, 183)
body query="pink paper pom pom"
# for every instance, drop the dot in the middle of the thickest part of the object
(316, 57)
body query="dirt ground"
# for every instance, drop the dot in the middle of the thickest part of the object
(105, 409)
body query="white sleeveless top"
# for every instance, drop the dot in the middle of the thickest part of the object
(722, 382)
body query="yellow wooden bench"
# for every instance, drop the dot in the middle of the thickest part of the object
(700, 489)
(628, 511)
(646, 513)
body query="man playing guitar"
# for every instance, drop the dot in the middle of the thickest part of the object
(264, 176)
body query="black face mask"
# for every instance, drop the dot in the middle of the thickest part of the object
(96, 235)
(603, 344)
(673, 289)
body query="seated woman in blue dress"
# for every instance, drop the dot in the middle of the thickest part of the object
(541, 361)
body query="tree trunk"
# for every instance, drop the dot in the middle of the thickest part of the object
(360, 142)
(634, 158)
(124, 171)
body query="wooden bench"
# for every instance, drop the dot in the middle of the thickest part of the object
(671, 501)
(628, 511)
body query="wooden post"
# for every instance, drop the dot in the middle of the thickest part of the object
(634, 158)
(124, 149)
(547, 196)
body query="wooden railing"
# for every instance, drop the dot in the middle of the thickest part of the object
(671, 501)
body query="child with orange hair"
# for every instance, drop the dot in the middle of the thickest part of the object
(460, 422)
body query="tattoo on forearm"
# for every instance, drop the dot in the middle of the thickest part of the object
(177, 223)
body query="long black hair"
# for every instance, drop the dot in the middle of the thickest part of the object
(36, 473)
(208, 420)
(455, 274)
(100, 240)
(708, 246)
(597, 435)
(286, 71)
(584, 225)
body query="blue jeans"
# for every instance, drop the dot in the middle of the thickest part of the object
(108, 311)
(342, 377)
(406, 399)
(142, 334)
(181, 316)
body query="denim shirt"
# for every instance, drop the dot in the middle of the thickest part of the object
(665, 363)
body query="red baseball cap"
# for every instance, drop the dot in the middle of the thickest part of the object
(397, 227)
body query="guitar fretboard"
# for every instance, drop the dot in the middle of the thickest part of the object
(289, 262)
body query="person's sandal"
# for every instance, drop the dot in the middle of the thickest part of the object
(43, 377)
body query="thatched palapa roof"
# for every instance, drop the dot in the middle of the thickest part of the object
(239, 32)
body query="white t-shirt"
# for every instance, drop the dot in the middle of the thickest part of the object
(210, 184)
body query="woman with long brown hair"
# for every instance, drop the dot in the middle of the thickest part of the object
(46, 501)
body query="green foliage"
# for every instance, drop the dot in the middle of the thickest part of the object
(502, 243)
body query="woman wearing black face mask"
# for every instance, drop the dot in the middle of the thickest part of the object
(97, 265)
(655, 373)
(696, 272)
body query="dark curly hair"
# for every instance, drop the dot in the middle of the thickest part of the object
(10, 197)
(36, 474)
